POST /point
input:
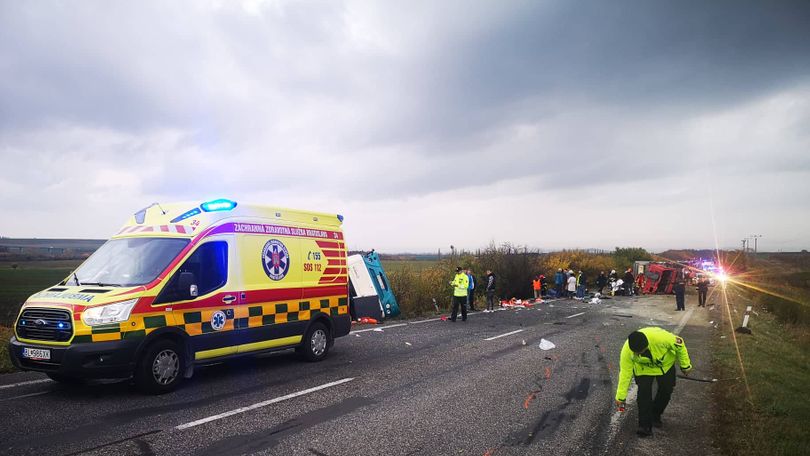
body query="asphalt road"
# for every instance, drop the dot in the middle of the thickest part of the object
(419, 387)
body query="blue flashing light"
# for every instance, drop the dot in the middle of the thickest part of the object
(218, 205)
(340, 217)
(187, 214)
(22, 322)
(60, 325)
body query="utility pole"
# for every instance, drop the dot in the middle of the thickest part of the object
(755, 237)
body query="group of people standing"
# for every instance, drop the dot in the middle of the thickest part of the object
(679, 290)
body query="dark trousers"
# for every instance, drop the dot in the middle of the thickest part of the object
(679, 301)
(459, 301)
(647, 406)
(702, 297)
(471, 299)
(559, 290)
(490, 299)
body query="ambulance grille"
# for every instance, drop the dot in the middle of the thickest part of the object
(52, 325)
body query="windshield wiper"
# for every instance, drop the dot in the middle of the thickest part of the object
(99, 284)
(76, 278)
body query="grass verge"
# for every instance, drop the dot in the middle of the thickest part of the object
(777, 365)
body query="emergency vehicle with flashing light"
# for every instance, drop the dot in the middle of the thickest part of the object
(186, 284)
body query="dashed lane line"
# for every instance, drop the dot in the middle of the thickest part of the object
(379, 328)
(24, 396)
(262, 404)
(30, 382)
(503, 335)
(575, 315)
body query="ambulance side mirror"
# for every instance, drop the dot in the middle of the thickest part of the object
(187, 285)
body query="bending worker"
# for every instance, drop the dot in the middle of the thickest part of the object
(649, 354)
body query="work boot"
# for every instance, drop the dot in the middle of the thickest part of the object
(657, 422)
(644, 431)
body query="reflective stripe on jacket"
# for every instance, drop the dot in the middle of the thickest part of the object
(460, 284)
(664, 347)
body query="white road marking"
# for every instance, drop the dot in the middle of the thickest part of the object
(30, 382)
(504, 335)
(261, 404)
(425, 321)
(575, 315)
(684, 320)
(24, 396)
(380, 329)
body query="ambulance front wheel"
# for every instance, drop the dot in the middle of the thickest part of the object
(161, 368)
(315, 345)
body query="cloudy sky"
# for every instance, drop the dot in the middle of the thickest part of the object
(543, 123)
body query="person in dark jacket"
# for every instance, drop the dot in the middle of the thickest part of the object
(490, 289)
(471, 290)
(629, 282)
(601, 281)
(679, 289)
(703, 290)
(559, 282)
(543, 286)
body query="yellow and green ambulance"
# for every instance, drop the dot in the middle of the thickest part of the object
(189, 283)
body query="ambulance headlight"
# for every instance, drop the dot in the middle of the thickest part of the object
(110, 313)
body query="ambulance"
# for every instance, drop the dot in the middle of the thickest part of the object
(186, 284)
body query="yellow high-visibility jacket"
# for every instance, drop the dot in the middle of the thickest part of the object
(460, 283)
(664, 347)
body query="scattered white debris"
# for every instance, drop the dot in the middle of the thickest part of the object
(408, 344)
(722, 337)
(546, 345)
(524, 341)
(379, 330)
(596, 301)
(711, 322)
(357, 335)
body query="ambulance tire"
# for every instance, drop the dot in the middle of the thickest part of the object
(66, 379)
(160, 369)
(315, 345)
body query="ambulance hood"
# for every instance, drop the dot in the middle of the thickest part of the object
(77, 298)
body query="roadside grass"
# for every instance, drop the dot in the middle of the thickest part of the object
(777, 365)
(5, 361)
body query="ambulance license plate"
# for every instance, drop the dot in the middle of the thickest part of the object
(36, 353)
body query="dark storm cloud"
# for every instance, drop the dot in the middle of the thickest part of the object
(645, 55)
(384, 106)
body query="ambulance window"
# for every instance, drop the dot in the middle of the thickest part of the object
(209, 264)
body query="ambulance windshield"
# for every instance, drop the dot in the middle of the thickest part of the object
(127, 262)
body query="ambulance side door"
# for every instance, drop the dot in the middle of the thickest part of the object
(269, 314)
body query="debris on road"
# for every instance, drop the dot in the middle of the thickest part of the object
(546, 345)
(408, 344)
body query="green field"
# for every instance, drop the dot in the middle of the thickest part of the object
(17, 284)
(414, 265)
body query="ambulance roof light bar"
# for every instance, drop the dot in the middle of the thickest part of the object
(221, 204)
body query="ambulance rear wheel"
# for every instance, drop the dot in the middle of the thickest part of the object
(161, 368)
(315, 345)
